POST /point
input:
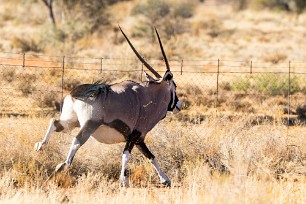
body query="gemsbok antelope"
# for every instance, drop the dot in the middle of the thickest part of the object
(122, 112)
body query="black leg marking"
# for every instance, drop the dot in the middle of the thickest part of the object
(144, 150)
(131, 140)
(125, 172)
(121, 127)
(58, 126)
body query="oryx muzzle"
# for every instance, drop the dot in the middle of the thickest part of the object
(122, 112)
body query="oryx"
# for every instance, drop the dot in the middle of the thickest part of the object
(122, 112)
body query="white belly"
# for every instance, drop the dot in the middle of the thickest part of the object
(107, 135)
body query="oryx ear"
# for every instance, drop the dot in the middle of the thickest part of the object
(151, 79)
(168, 76)
(148, 77)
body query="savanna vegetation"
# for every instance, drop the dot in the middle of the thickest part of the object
(230, 144)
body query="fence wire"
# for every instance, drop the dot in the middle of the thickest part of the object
(36, 84)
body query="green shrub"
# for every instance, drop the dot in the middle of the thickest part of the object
(273, 84)
(241, 85)
(270, 84)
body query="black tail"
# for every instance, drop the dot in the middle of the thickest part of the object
(89, 92)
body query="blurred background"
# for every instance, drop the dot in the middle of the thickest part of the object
(270, 30)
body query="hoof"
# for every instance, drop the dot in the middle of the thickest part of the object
(124, 182)
(61, 167)
(38, 146)
(166, 183)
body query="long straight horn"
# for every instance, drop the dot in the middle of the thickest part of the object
(139, 57)
(162, 50)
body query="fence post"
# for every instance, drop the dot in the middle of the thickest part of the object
(63, 72)
(251, 67)
(217, 94)
(23, 60)
(182, 62)
(289, 92)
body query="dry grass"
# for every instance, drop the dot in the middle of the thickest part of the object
(220, 160)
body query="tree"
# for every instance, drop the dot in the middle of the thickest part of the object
(49, 4)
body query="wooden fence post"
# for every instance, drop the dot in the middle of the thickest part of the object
(217, 91)
(23, 60)
(182, 62)
(289, 91)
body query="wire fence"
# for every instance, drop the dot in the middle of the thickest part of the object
(34, 85)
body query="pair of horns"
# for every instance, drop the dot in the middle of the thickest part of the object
(141, 58)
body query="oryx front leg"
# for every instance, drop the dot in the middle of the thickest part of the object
(130, 142)
(54, 126)
(125, 159)
(73, 149)
(146, 152)
(88, 129)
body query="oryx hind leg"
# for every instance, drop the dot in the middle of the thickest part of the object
(146, 152)
(68, 120)
(86, 131)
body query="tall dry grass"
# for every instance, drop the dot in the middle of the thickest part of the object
(220, 160)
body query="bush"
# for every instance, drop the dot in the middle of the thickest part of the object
(84, 16)
(241, 85)
(71, 84)
(241, 4)
(297, 6)
(273, 84)
(8, 74)
(184, 9)
(167, 18)
(27, 45)
(154, 10)
(26, 84)
(270, 84)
